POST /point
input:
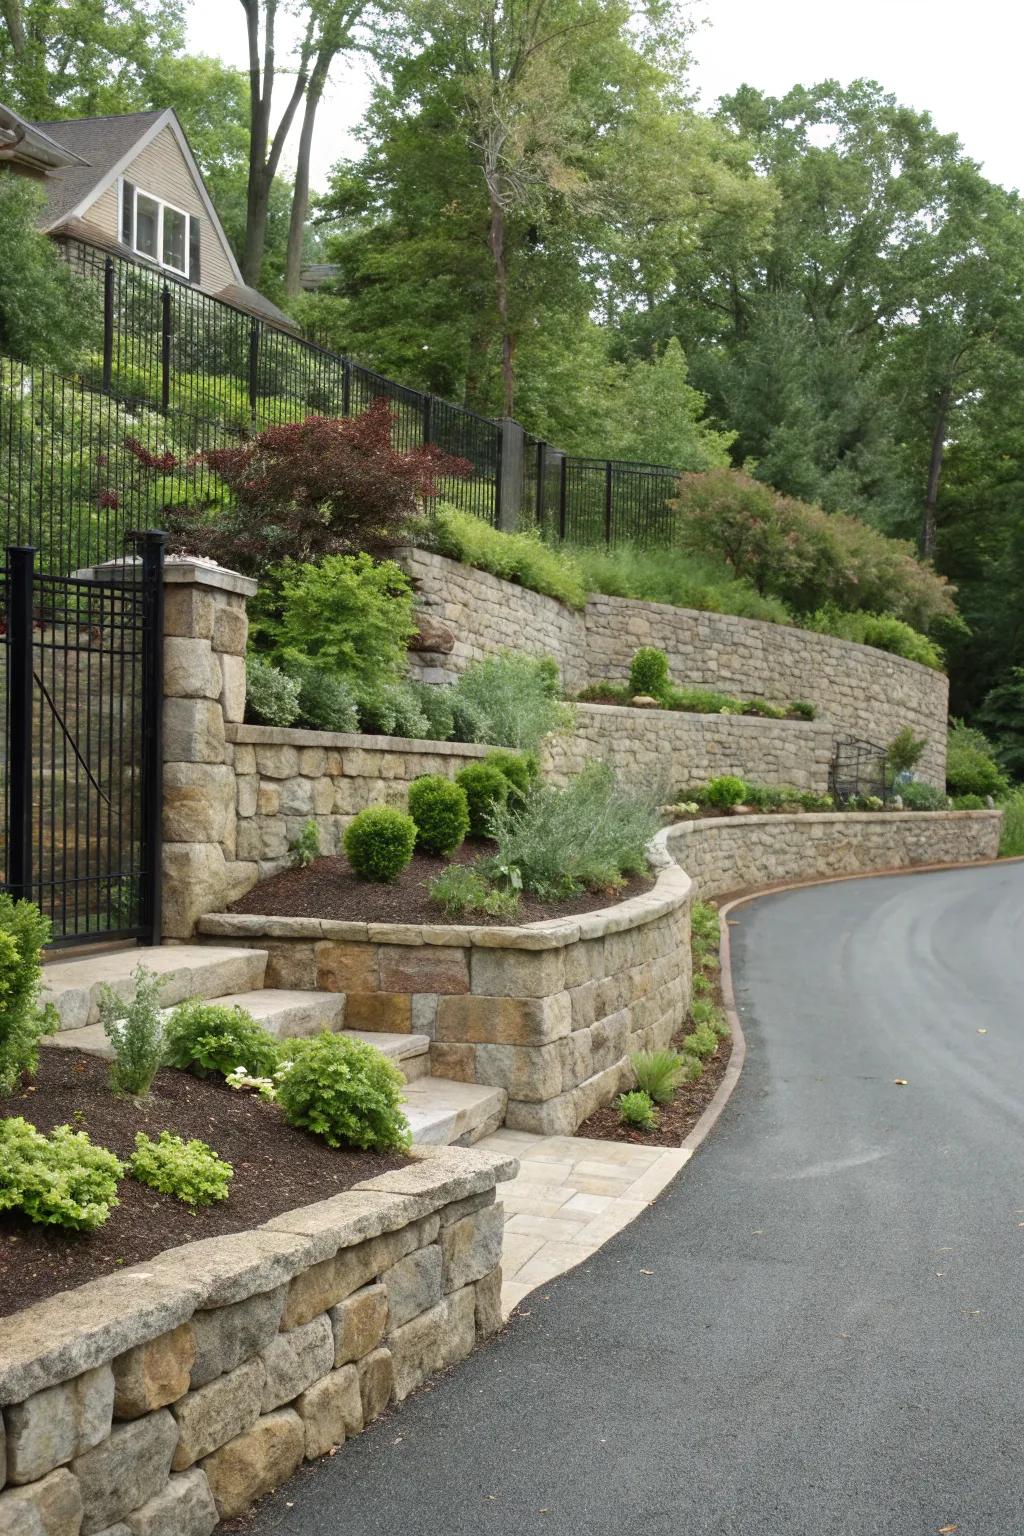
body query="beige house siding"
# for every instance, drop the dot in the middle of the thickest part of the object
(162, 170)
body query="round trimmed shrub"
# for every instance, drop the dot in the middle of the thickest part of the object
(345, 1091)
(379, 843)
(208, 1037)
(648, 672)
(441, 813)
(487, 790)
(725, 791)
(520, 768)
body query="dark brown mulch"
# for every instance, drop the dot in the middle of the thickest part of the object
(328, 888)
(276, 1168)
(675, 1120)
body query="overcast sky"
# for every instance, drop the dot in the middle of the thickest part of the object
(960, 62)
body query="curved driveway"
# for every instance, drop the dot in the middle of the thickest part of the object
(819, 1328)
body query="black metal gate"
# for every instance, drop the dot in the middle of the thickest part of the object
(82, 675)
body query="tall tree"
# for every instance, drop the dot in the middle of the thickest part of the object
(84, 59)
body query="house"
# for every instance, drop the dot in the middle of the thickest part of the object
(129, 185)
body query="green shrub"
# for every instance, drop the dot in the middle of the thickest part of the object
(672, 576)
(349, 614)
(704, 933)
(724, 792)
(637, 1109)
(57, 1180)
(510, 701)
(590, 835)
(271, 698)
(921, 797)
(23, 932)
(459, 889)
(486, 789)
(702, 1010)
(435, 706)
(189, 1170)
(703, 701)
(1011, 840)
(880, 630)
(135, 1032)
(648, 673)
(605, 693)
(380, 842)
(971, 767)
(347, 1092)
(46, 311)
(693, 1068)
(701, 984)
(803, 709)
(702, 1041)
(440, 810)
(905, 750)
(657, 1073)
(969, 803)
(518, 557)
(326, 701)
(520, 768)
(764, 708)
(393, 709)
(209, 1037)
(1002, 716)
(468, 722)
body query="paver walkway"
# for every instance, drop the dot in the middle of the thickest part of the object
(571, 1195)
(816, 1329)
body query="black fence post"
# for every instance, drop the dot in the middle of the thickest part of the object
(608, 501)
(20, 562)
(563, 496)
(542, 471)
(254, 366)
(152, 733)
(428, 418)
(165, 349)
(108, 324)
(346, 387)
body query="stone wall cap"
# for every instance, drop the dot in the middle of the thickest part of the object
(627, 711)
(830, 818)
(194, 570)
(296, 736)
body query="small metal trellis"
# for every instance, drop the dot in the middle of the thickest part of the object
(859, 769)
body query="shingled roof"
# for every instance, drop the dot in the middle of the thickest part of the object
(99, 141)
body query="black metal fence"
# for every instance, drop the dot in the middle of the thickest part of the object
(598, 501)
(82, 709)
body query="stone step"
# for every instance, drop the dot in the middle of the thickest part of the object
(444, 1113)
(187, 970)
(410, 1053)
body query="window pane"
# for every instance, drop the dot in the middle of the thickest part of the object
(147, 215)
(175, 239)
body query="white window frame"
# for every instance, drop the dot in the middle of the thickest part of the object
(161, 203)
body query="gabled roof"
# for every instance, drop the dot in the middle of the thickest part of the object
(110, 144)
(23, 141)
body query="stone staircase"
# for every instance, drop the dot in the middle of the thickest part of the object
(441, 1112)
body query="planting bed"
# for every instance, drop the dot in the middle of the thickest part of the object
(327, 888)
(675, 1120)
(277, 1167)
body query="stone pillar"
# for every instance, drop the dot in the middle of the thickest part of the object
(205, 631)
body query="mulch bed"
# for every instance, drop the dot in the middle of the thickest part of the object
(675, 1120)
(276, 1169)
(328, 888)
(594, 695)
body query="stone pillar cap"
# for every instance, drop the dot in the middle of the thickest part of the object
(179, 570)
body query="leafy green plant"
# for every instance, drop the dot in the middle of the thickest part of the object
(971, 767)
(803, 709)
(510, 701)
(657, 1073)
(905, 750)
(636, 1109)
(486, 789)
(702, 1010)
(435, 706)
(590, 834)
(921, 797)
(23, 932)
(57, 1180)
(326, 701)
(46, 312)
(440, 810)
(693, 1067)
(460, 889)
(380, 842)
(271, 698)
(703, 931)
(1002, 716)
(1011, 839)
(392, 709)
(764, 708)
(880, 630)
(205, 1037)
(135, 1032)
(519, 557)
(724, 792)
(648, 673)
(306, 847)
(189, 1170)
(346, 1092)
(348, 614)
(703, 701)
(702, 1041)
(520, 768)
(969, 803)
(677, 577)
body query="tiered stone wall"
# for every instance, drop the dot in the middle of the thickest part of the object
(172, 1395)
(733, 853)
(679, 750)
(548, 1011)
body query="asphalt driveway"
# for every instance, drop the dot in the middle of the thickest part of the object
(819, 1328)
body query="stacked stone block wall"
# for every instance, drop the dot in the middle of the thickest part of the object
(173, 1395)
(549, 1012)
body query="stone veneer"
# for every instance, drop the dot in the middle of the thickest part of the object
(548, 1011)
(733, 853)
(173, 1394)
(652, 746)
(861, 691)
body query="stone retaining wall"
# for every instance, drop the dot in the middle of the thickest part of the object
(171, 1395)
(732, 853)
(547, 1011)
(678, 750)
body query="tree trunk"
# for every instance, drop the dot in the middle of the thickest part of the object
(496, 240)
(300, 195)
(13, 14)
(264, 153)
(931, 500)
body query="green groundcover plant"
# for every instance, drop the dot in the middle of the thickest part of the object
(189, 1170)
(205, 1037)
(23, 932)
(57, 1180)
